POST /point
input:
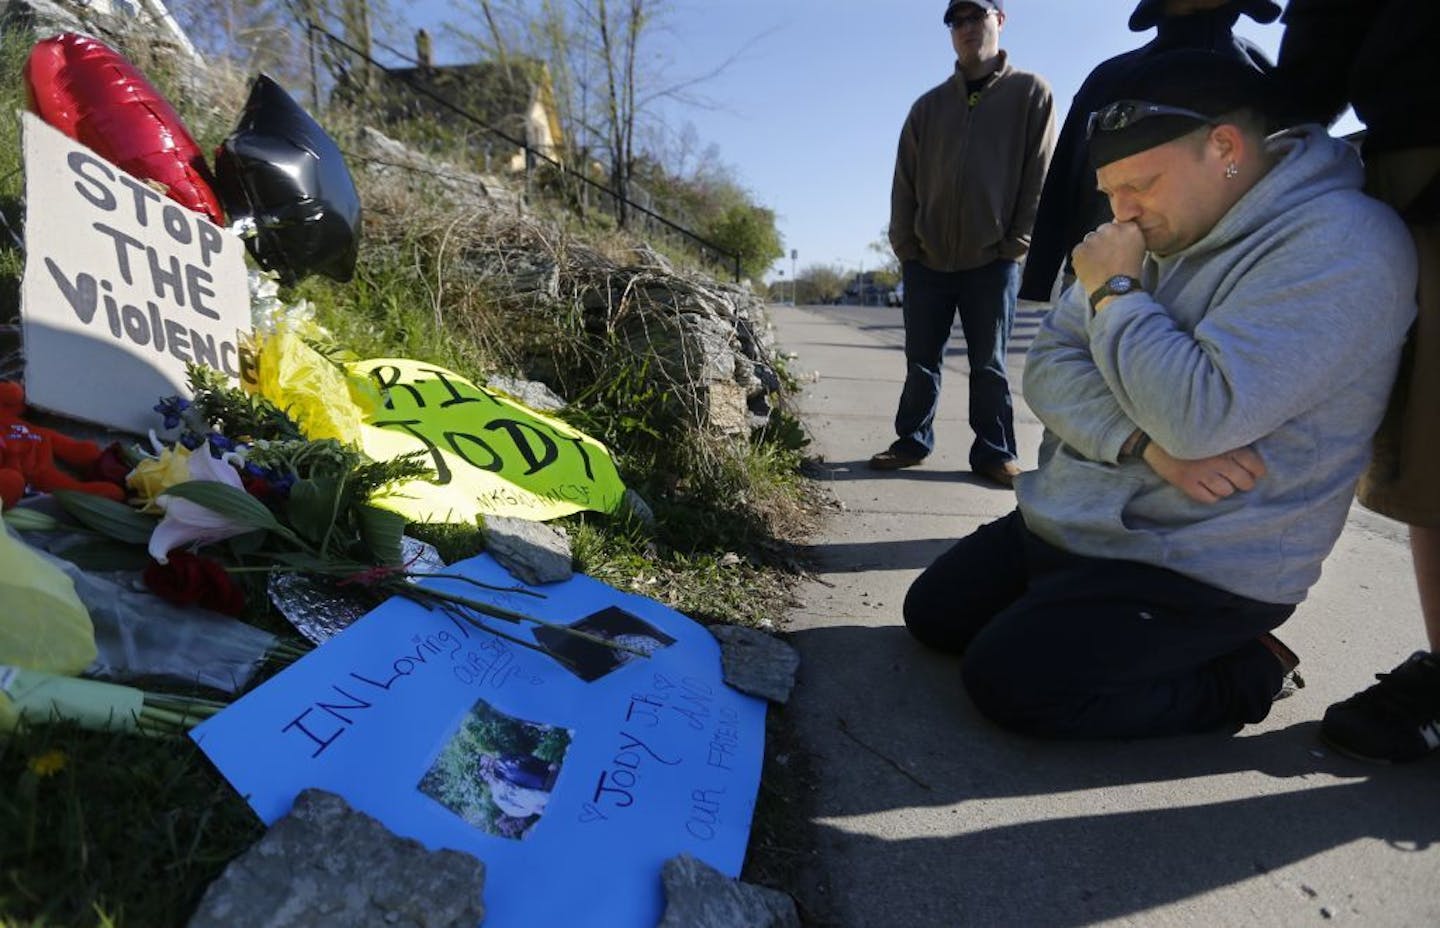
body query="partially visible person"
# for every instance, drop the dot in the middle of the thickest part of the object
(1209, 388)
(971, 161)
(1070, 205)
(1383, 56)
(519, 783)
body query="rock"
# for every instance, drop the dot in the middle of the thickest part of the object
(757, 663)
(45, 18)
(650, 259)
(517, 272)
(533, 551)
(383, 156)
(531, 393)
(724, 409)
(636, 504)
(326, 864)
(692, 347)
(699, 896)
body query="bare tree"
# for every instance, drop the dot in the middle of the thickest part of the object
(255, 34)
(348, 69)
(606, 84)
(618, 59)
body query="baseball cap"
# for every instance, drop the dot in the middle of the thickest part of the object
(1170, 94)
(1149, 13)
(996, 5)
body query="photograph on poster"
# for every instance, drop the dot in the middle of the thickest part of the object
(496, 771)
(591, 661)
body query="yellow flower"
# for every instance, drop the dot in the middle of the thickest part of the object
(153, 476)
(49, 763)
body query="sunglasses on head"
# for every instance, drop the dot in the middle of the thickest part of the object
(968, 19)
(1125, 113)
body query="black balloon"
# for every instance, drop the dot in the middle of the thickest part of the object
(281, 170)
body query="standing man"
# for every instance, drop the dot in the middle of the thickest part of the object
(968, 174)
(1380, 55)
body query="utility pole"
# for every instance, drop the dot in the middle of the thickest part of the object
(794, 280)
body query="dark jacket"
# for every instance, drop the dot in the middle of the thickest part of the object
(967, 179)
(1070, 205)
(1379, 55)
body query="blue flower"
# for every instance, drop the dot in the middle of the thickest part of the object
(171, 407)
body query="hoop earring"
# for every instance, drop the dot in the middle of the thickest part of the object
(1232, 171)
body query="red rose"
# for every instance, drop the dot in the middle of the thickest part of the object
(111, 466)
(258, 487)
(193, 580)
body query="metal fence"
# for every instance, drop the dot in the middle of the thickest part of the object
(652, 222)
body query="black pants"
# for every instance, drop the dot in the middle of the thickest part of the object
(1060, 645)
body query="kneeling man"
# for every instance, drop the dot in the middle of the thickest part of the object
(1209, 388)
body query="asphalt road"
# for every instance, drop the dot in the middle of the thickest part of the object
(927, 815)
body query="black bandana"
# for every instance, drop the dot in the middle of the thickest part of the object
(1210, 84)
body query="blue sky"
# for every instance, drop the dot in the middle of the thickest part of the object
(808, 116)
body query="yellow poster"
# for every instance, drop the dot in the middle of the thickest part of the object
(490, 454)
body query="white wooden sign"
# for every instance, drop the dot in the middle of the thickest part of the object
(123, 287)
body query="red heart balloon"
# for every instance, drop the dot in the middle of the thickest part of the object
(90, 92)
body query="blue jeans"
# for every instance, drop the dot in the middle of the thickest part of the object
(1063, 646)
(985, 299)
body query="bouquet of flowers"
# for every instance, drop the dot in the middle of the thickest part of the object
(242, 490)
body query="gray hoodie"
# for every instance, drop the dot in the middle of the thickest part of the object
(1281, 330)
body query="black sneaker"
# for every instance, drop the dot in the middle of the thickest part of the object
(1396, 720)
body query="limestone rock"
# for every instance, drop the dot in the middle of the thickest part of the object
(532, 393)
(725, 408)
(645, 256)
(636, 504)
(533, 551)
(518, 272)
(45, 18)
(699, 896)
(756, 663)
(326, 864)
(383, 156)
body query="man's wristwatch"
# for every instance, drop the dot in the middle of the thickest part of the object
(1119, 285)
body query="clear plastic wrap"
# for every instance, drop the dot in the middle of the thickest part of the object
(141, 636)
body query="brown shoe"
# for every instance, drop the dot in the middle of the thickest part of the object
(1003, 473)
(1291, 681)
(890, 459)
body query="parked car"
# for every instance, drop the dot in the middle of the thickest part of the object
(897, 296)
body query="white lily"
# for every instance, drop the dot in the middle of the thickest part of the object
(186, 522)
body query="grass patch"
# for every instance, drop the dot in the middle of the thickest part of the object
(111, 829)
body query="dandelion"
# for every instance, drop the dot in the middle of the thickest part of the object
(49, 763)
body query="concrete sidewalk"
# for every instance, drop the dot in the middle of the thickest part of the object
(927, 815)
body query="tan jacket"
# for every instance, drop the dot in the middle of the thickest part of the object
(967, 181)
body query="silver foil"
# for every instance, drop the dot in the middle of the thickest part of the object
(320, 607)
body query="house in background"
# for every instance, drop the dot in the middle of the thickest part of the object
(513, 96)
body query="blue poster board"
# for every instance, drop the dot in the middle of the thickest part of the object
(574, 780)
